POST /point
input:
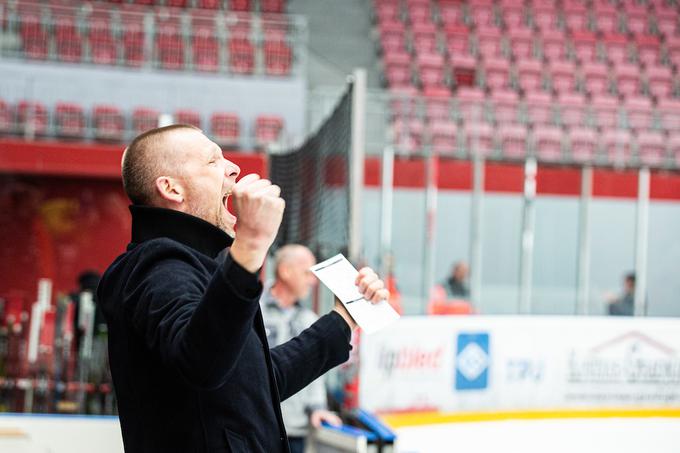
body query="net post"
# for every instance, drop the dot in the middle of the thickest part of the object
(583, 291)
(641, 242)
(356, 163)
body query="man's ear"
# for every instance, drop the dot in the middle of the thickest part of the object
(170, 189)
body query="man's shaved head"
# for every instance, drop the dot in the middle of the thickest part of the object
(147, 158)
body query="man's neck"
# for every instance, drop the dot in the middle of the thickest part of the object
(283, 297)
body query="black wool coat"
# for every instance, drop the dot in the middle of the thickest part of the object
(191, 366)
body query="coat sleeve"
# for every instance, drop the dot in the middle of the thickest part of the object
(196, 323)
(324, 345)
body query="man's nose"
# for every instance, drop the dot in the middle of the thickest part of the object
(231, 169)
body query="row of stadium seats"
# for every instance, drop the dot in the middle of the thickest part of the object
(548, 143)
(539, 108)
(625, 16)
(109, 123)
(447, 44)
(265, 6)
(239, 43)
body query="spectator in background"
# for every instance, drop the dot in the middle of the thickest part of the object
(456, 284)
(87, 281)
(285, 318)
(624, 305)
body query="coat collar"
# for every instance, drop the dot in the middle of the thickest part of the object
(150, 222)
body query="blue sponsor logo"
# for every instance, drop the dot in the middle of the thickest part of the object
(472, 361)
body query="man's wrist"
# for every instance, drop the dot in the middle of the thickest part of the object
(342, 311)
(249, 254)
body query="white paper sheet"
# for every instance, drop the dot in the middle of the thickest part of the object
(339, 276)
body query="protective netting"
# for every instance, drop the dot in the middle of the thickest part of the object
(314, 181)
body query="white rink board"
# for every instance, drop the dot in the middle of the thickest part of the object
(60, 434)
(612, 435)
(489, 363)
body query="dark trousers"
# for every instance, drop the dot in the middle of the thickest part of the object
(297, 444)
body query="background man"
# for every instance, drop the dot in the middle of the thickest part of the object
(285, 318)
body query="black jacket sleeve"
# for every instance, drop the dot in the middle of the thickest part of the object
(324, 345)
(196, 323)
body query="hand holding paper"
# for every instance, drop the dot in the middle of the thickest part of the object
(361, 292)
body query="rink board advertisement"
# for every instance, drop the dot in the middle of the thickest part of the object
(478, 363)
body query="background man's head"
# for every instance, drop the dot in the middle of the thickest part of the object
(292, 263)
(460, 271)
(629, 282)
(177, 167)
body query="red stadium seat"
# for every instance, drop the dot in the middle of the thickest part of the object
(392, 36)
(572, 109)
(419, 12)
(478, 138)
(268, 129)
(431, 70)
(651, 148)
(408, 135)
(553, 45)
(659, 81)
(6, 120)
(481, 13)
(674, 147)
(638, 113)
(403, 102)
(278, 58)
(521, 42)
(225, 128)
(444, 136)
(497, 73)
(547, 143)
(545, 17)
(513, 16)
(563, 77)
(615, 46)
(170, 46)
(605, 110)
(424, 38)
(672, 46)
(34, 38)
(489, 43)
(439, 107)
(176, 3)
(617, 146)
(69, 120)
(68, 42)
(108, 123)
(102, 44)
(606, 17)
(470, 104)
(241, 56)
(451, 13)
(463, 70)
(530, 75)
(205, 48)
(595, 78)
(505, 105)
(457, 39)
(234, 5)
(398, 70)
(575, 16)
(648, 49)
(636, 19)
(32, 118)
(583, 144)
(585, 46)
(669, 114)
(144, 119)
(185, 116)
(133, 42)
(628, 82)
(539, 108)
(513, 140)
(666, 19)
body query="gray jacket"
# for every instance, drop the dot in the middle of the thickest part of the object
(281, 325)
